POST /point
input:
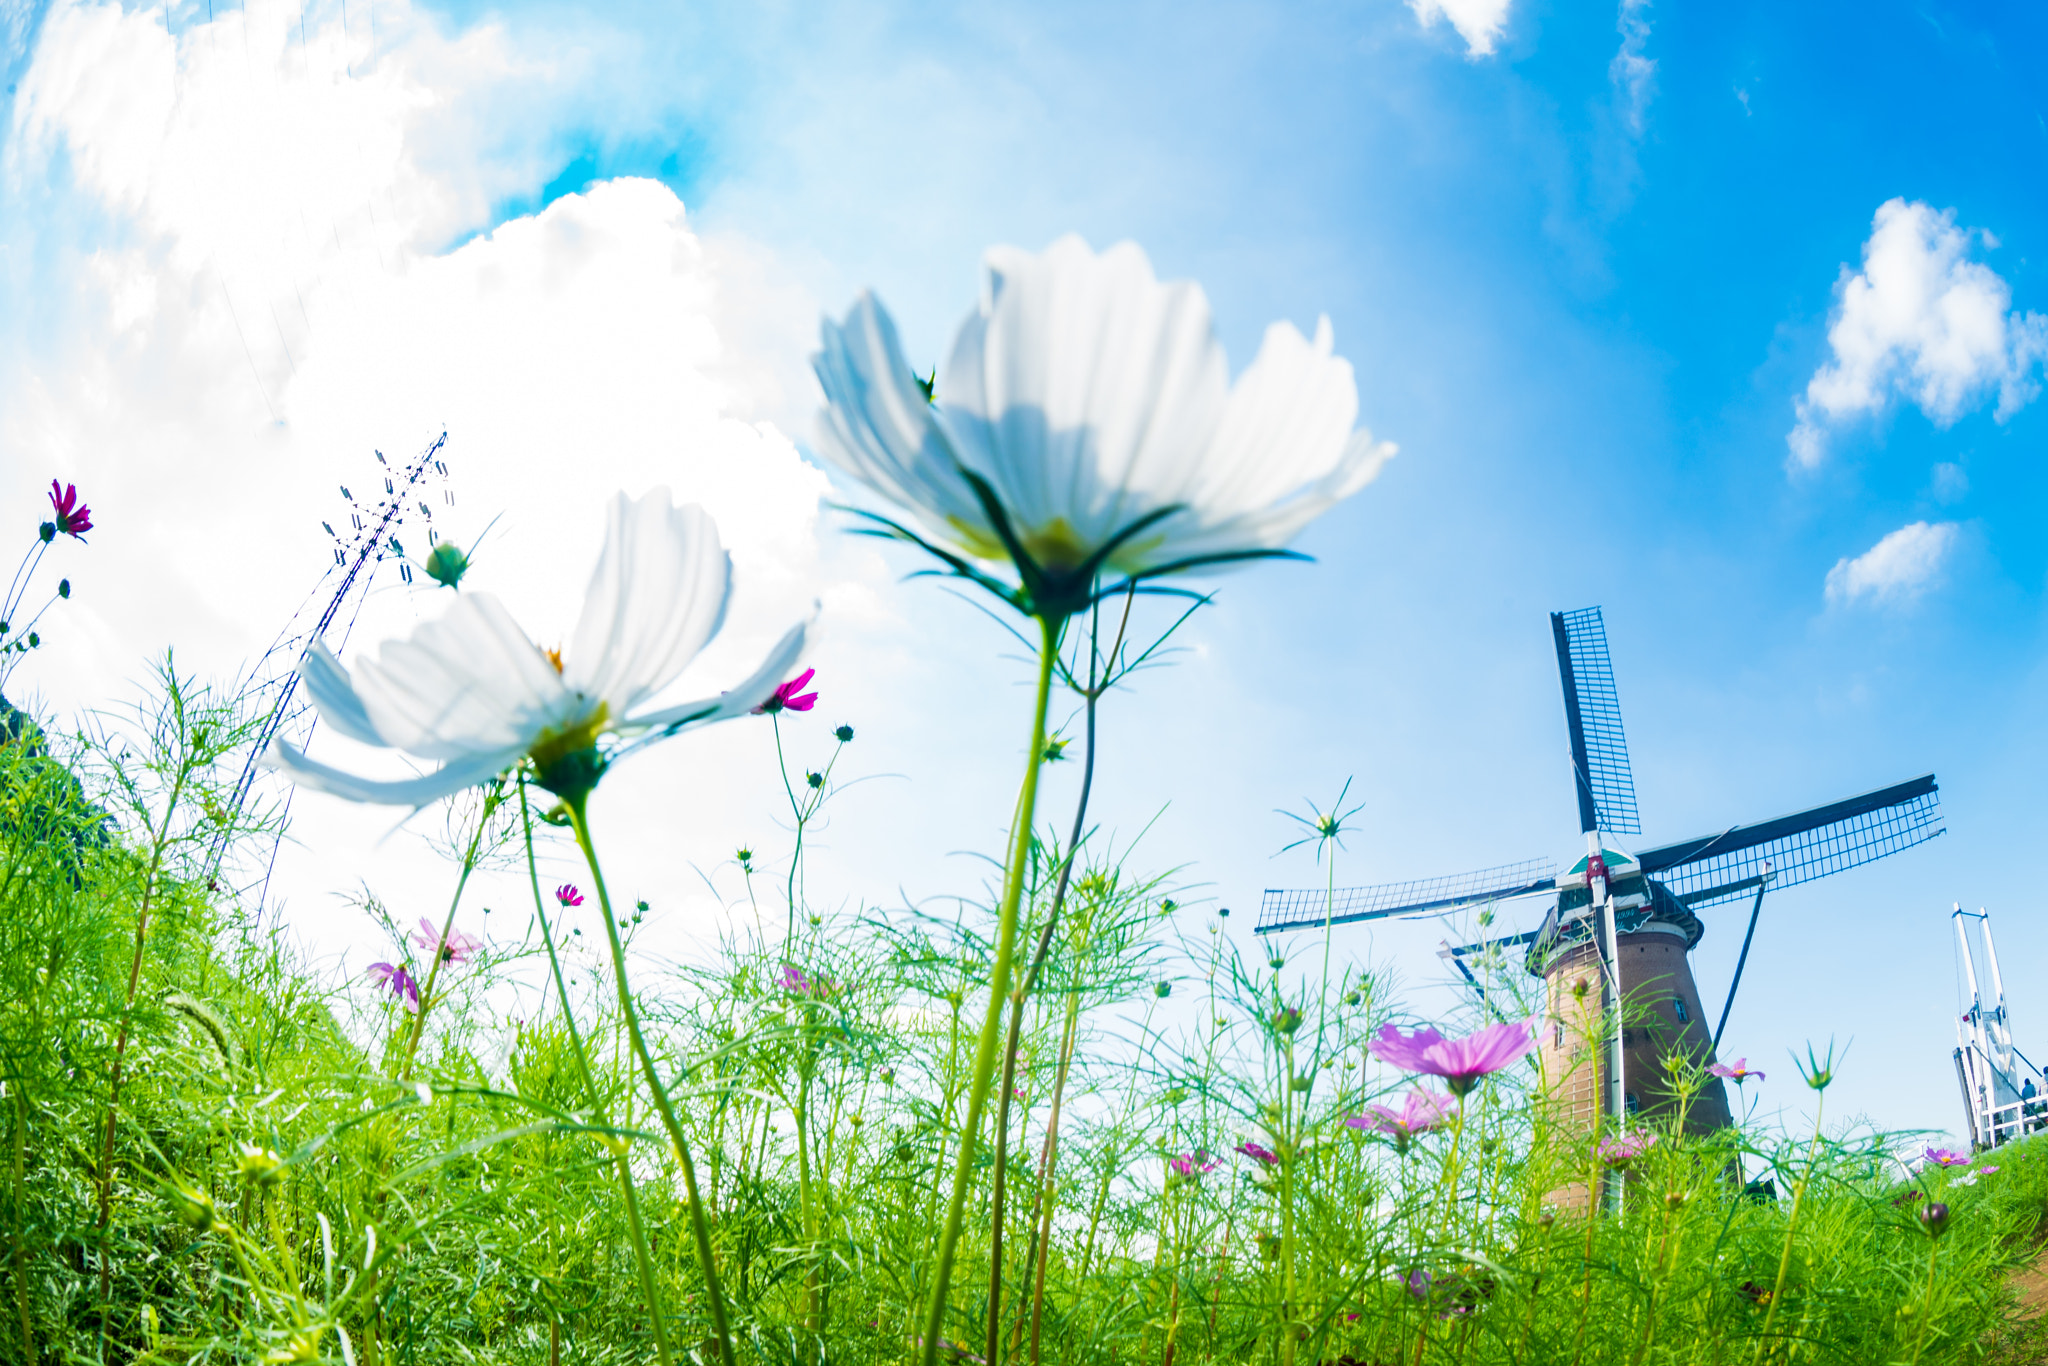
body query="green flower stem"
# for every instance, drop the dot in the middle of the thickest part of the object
(999, 990)
(700, 1228)
(469, 858)
(642, 1260)
(160, 841)
(1792, 1224)
(1927, 1308)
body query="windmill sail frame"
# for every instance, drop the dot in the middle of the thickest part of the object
(1592, 710)
(1799, 847)
(1307, 907)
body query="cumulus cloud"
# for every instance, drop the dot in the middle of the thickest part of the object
(1631, 72)
(1921, 321)
(1478, 22)
(1895, 570)
(263, 294)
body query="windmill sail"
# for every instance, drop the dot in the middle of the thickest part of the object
(1800, 847)
(1302, 908)
(1592, 712)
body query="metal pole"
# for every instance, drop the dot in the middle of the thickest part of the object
(1969, 967)
(1755, 907)
(1969, 1106)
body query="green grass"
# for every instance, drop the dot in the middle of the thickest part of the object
(287, 1180)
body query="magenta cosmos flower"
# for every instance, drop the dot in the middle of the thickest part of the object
(1258, 1153)
(1623, 1149)
(1194, 1164)
(72, 517)
(1947, 1157)
(1420, 1112)
(785, 697)
(568, 895)
(1739, 1073)
(459, 948)
(1460, 1062)
(398, 981)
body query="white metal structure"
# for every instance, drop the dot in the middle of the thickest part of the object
(1992, 1073)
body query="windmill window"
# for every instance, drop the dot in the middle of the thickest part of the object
(1629, 1100)
(1560, 1033)
(1628, 1036)
(1678, 1009)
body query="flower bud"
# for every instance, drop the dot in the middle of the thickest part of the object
(1676, 1199)
(1176, 1096)
(844, 735)
(1935, 1219)
(193, 1206)
(446, 564)
(259, 1165)
(1163, 990)
(63, 588)
(1287, 1021)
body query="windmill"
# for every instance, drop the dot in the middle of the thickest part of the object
(1625, 920)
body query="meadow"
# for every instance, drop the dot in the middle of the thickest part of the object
(1083, 1117)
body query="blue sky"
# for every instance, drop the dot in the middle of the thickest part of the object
(1587, 261)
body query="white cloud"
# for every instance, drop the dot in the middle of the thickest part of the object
(270, 300)
(1632, 72)
(1895, 570)
(1478, 22)
(1922, 321)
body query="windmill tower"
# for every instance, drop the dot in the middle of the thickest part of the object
(1613, 951)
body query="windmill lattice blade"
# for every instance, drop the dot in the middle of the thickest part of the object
(1799, 847)
(1607, 789)
(1304, 907)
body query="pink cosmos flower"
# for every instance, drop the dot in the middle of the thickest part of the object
(1460, 1062)
(1618, 1152)
(794, 981)
(1947, 1157)
(399, 981)
(460, 947)
(568, 895)
(1985, 1170)
(1265, 1156)
(1194, 1164)
(73, 518)
(1420, 1112)
(1739, 1073)
(785, 698)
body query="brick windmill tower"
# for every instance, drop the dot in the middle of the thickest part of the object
(1613, 951)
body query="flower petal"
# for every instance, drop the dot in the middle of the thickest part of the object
(658, 594)
(1084, 391)
(470, 683)
(334, 696)
(758, 688)
(1285, 451)
(413, 792)
(880, 428)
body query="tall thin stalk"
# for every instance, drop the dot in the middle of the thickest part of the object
(642, 1260)
(700, 1227)
(999, 987)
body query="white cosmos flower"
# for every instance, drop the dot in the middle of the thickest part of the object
(474, 693)
(1085, 422)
